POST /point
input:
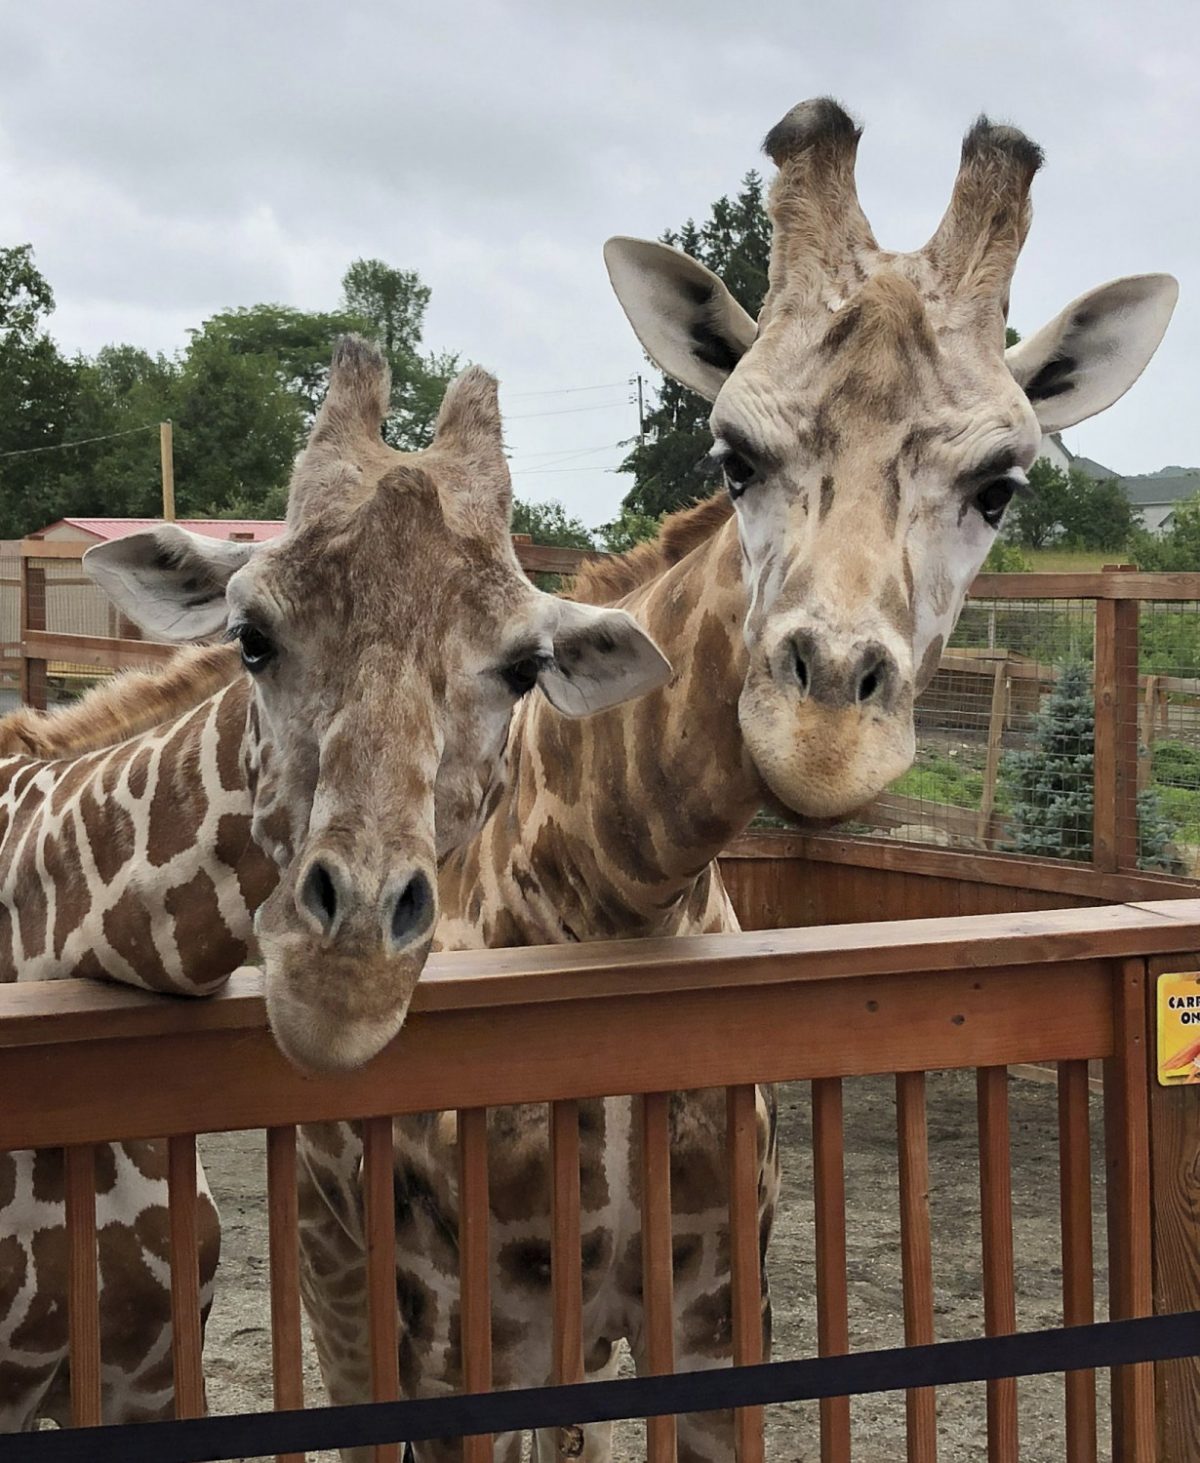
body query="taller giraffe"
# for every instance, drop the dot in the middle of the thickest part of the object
(383, 644)
(871, 431)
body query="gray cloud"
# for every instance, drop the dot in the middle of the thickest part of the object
(170, 160)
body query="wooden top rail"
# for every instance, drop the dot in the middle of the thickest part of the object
(1098, 584)
(87, 1063)
(55, 1012)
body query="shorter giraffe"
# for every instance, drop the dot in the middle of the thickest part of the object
(315, 776)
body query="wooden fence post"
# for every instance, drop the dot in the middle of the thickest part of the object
(1175, 1201)
(1115, 687)
(996, 718)
(33, 617)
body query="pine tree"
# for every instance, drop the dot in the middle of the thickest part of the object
(735, 243)
(1050, 787)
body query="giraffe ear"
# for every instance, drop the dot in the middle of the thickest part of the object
(1090, 355)
(167, 580)
(687, 321)
(602, 657)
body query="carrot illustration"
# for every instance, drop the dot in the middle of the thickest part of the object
(1183, 1057)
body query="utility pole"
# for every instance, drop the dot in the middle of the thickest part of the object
(641, 406)
(167, 451)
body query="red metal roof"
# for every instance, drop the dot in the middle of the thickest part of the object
(249, 530)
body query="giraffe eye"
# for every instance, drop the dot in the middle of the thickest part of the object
(994, 498)
(520, 676)
(739, 473)
(257, 649)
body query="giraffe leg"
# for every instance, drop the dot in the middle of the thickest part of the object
(593, 1441)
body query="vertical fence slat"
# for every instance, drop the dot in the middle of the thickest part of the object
(566, 1275)
(475, 1266)
(746, 1278)
(916, 1256)
(185, 1275)
(833, 1312)
(33, 617)
(1127, 1149)
(999, 1295)
(658, 1298)
(283, 1232)
(83, 1293)
(379, 1198)
(1114, 828)
(1075, 1182)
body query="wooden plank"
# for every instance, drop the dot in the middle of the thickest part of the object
(991, 767)
(999, 1293)
(283, 1229)
(658, 1298)
(1053, 876)
(54, 548)
(1175, 1203)
(566, 1246)
(552, 559)
(95, 650)
(1106, 584)
(83, 1285)
(637, 1043)
(1146, 758)
(32, 618)
(379, 1202)
(1127, 1148)
(474, 1223)
(829, 1202)
(916, 1255)
(35, 1012)
(185, 1275)
(745, 1273)
(1075, 1188)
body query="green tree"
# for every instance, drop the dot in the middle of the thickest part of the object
(37, 389)
(627, 530)
(1050, 787)
(237, 431)
(1035, 518)
(735, 242)
(1177, 550)
(297, 343)
(1004, 558)
(550, 523)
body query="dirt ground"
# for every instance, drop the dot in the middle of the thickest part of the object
(237, 1351)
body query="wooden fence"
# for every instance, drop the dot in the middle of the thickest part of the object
(1068, 987)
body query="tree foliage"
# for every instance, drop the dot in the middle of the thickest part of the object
(242, 396)
(1050, 787)
(550, 523)
(1070, 509)
(735, 242)
(1177, 549)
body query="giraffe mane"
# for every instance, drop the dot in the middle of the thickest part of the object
(125, 706)
(601, 581)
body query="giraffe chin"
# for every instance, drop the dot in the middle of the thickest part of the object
(824, 765)
(331, 1012)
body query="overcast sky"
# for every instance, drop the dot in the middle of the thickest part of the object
(171, 159)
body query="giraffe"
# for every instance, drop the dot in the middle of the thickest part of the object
(871, 431)
(291, 794)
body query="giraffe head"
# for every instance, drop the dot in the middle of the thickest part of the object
(388, 634)
(872, 429)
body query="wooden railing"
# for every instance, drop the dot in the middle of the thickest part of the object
(649, 1018)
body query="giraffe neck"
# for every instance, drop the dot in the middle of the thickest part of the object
(608, 827)
(134, 862)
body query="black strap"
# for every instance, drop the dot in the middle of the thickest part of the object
(210, 1439)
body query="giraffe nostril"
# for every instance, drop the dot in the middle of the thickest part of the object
(800, 666)
(412, 913)
(318, 894)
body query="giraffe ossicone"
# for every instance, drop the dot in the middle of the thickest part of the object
(387, 635)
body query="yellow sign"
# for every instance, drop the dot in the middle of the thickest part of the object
(1179, 1029)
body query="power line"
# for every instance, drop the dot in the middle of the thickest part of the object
(566, 411)
(537, 471)
(82, 442)
(565, 390)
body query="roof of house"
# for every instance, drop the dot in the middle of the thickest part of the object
(1171, 485)
(247, 530)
